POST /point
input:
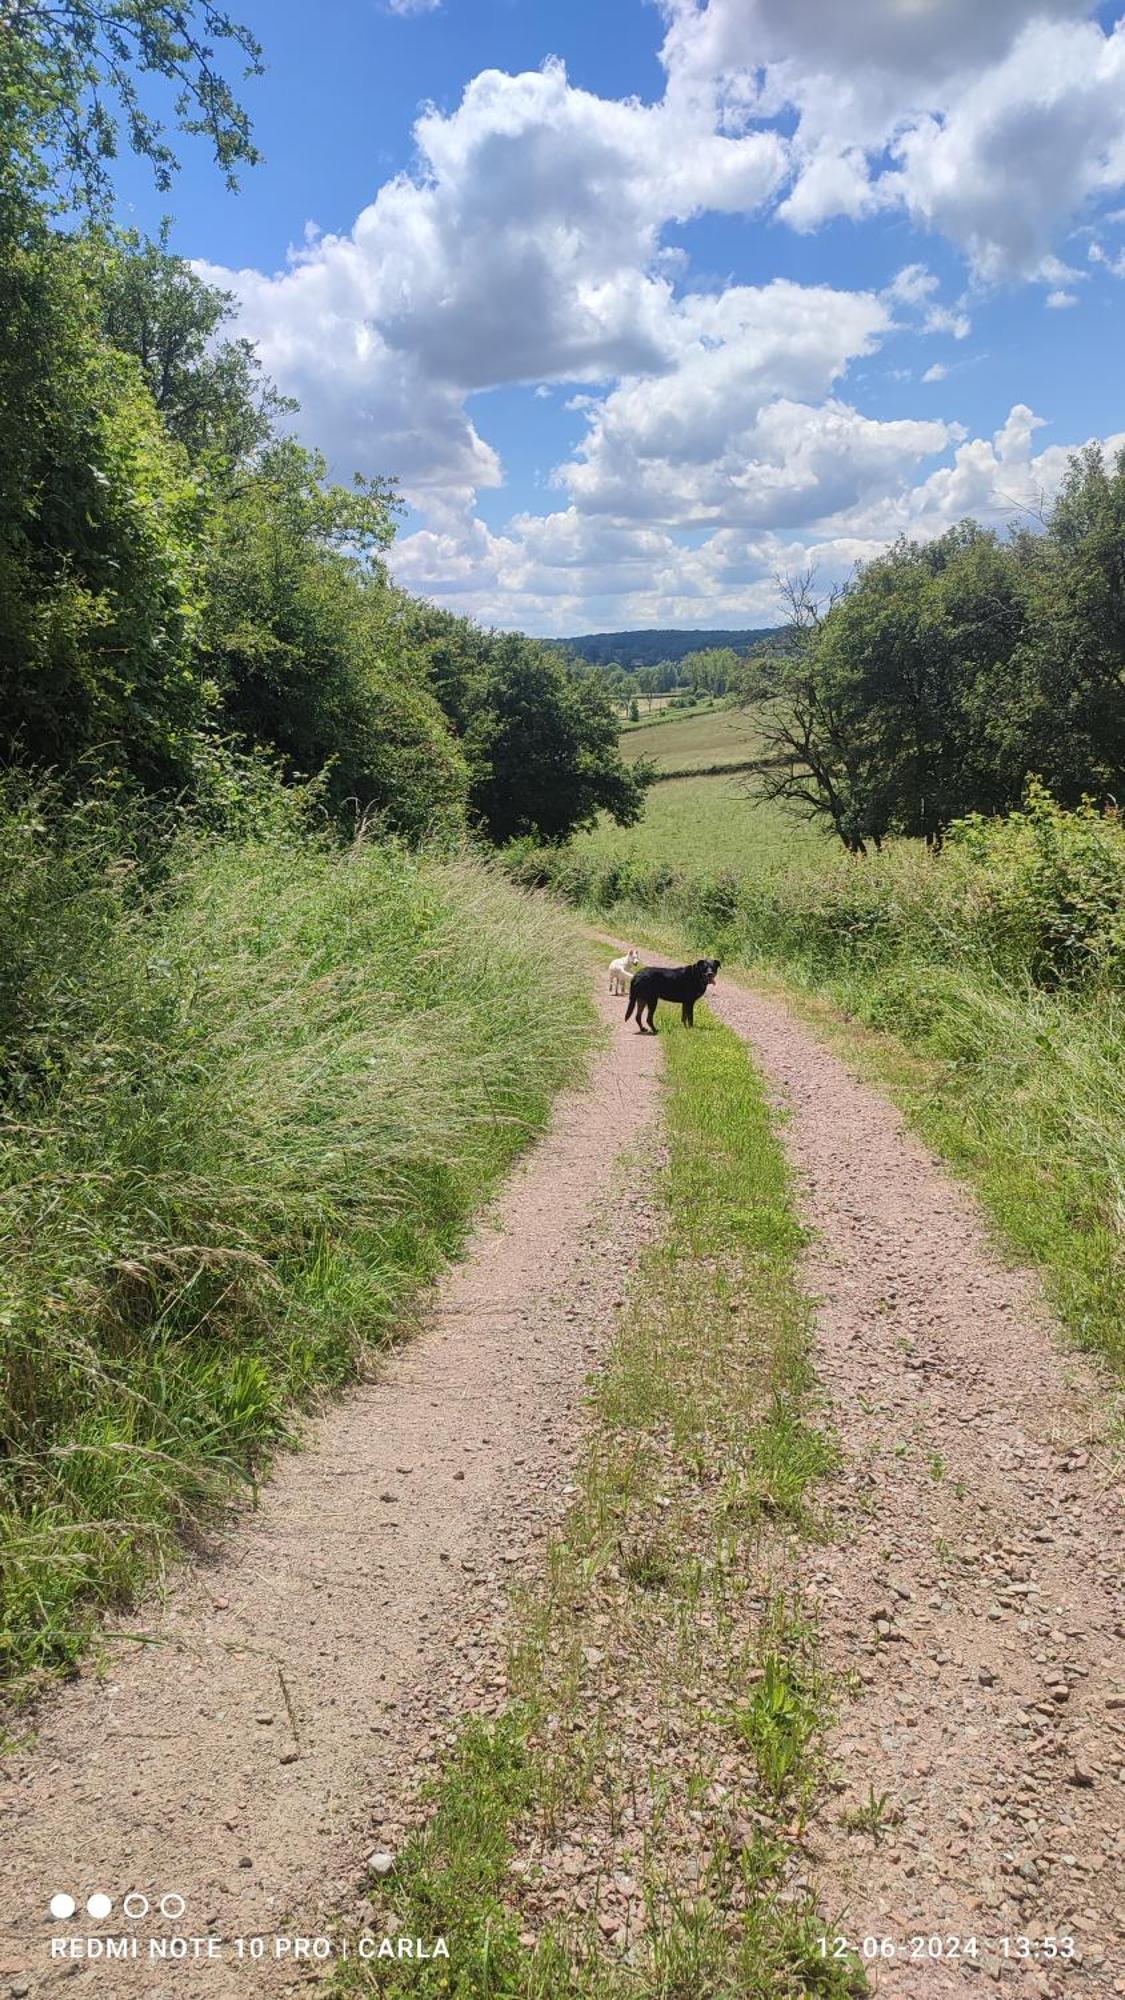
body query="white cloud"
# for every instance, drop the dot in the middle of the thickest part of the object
(1113, 263)
(571, 570)
(406, 7)
(1000, 121)
(722, 438)
(525, 246)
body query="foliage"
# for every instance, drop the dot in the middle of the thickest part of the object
(210, 392)
(540, 737)
(542, 745)
(299, 637)
(101, 523)
(952, 671)
(654, 648)
(69, 71)
(247, 1105)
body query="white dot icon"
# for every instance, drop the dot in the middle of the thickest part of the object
(62, 1906)
(99, 1905)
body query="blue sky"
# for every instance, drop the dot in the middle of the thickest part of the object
(646, 303)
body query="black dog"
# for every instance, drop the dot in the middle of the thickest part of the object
(685, 983)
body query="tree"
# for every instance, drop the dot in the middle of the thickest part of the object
(1066, 718)
(714, 669)
(542, 748)
(647, 682)
(210, 391)
(100, 525)
(302, 640)
(880, 715)
(69, 73)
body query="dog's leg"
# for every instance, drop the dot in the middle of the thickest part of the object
(689, 1013)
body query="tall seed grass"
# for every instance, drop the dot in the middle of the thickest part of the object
(244, 1118)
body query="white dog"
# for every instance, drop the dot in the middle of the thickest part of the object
(621, 971)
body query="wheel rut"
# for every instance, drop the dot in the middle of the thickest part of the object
(240, 1736)
(973, 1583)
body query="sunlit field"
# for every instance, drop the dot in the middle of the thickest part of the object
(707, 823)
(690, 742)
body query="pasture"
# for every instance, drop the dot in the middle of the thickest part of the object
(695, 740)
(707, 823)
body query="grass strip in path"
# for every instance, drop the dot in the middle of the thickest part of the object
(633, 1823)
(1017, 1093)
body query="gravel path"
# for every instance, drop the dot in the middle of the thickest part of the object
(976, 1584)
(238, 1746)
(289, 1690)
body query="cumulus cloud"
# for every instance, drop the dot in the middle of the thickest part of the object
(571, 570)
(721, 433)
(524, 246)
(991, 127)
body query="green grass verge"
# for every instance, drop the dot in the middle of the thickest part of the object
(246, 1117)
(667, 1701)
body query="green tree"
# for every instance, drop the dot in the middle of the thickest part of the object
(210, 391)
(543, 749)
(1065, 719)
(881, 716)
(305, 648)
(70, 74)
(100, 523)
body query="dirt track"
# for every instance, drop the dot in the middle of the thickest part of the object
(244, 1757)
(233, 1750)
(977, 1581)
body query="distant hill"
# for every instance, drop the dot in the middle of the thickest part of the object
(648, 649)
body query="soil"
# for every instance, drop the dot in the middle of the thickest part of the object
(974, 1580)
(256, 1732)
(233, 1744)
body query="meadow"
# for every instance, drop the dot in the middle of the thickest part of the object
(701, 739)
(705, 822)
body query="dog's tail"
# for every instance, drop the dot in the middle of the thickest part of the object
(632, 996)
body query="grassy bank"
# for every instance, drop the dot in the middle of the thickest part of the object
(993, 977)
(246, 1113)
(667, 1700)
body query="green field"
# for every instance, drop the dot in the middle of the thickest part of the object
(694, 741)
(706, 823)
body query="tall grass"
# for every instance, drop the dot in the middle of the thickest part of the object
(999, 965)
(244, 1115)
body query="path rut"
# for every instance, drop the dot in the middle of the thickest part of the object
(975, 1581)
(234, 1747)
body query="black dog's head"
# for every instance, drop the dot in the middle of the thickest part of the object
(708, 970)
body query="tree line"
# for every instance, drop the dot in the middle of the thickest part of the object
(950, 672)
(187, 600)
